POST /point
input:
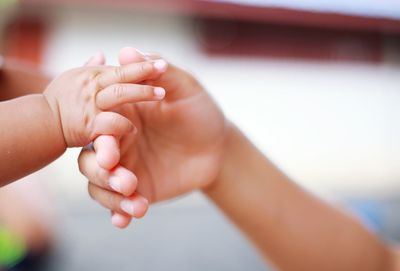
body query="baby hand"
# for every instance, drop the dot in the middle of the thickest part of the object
(82, 99)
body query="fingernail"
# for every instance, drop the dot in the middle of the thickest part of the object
(147, 56)
(159, 92)
(115, 183)
(140, 52)
(128, 207)
(130, 49)
(161, 65)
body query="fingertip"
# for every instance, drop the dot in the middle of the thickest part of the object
(128, 181)
(159, 92)
(107, 159)
(141, 205)
(107, 151)
(161, 65)
(120, 221)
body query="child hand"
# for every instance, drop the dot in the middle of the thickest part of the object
(81, 99)
(179, 148)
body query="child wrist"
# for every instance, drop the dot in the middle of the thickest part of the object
(53, 107)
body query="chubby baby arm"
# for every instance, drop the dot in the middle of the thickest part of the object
(73, 110)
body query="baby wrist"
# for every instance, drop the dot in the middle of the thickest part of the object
(55, 115)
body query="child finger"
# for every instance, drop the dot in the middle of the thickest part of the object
(123, 181)
(120, 220)
(111, 123)
(171, 79)
(135, 72)
(107, 151)
(118, 94)
(119, 179)
(168, 80)
(135, 206)
(129, 55)
(89, 167)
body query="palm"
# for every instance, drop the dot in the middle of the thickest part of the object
(179, 144)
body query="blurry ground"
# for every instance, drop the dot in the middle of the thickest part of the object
(172, 237)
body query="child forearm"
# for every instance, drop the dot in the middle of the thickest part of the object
(73, 110)
(30, 136)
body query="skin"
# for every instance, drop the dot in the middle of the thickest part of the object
(24, 205)
(72, 111)
(175, 137)
(293, 229)
(25, 198)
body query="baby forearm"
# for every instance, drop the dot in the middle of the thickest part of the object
(30, 137)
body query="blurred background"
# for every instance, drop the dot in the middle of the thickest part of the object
(315, 85)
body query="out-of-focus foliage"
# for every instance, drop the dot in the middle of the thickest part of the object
(5, 3)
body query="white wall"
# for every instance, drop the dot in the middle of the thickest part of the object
(329, 126)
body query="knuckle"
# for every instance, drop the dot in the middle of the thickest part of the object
(112, 201)
(115, 121)
(145, 67)
(118, 91)
(86, 120)
(97, 85)
(142, 68)
(146, 91)
(120, 74)
(102, 177)
(89, 76)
